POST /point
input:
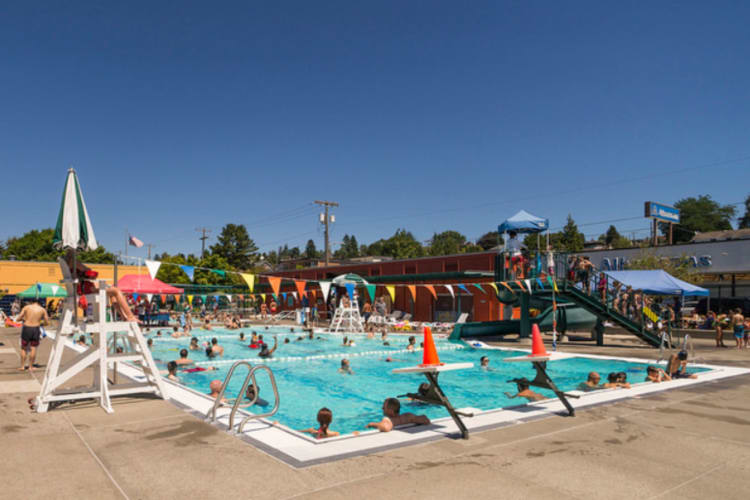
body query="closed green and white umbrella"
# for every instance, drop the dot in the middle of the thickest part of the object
(73, 225)
(350, 278)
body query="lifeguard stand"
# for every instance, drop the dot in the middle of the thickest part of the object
(348, 319)
(98, 355)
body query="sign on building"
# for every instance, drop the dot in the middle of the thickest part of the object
(664, 213)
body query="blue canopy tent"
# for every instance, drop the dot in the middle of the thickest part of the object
(658, 282)
(524, 222)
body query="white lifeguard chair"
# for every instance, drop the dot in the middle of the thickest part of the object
(348, 318)
(100, 355)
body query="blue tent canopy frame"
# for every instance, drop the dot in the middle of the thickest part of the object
(657, 282)
(524, 222)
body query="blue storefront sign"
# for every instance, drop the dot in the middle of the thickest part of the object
(662, 212)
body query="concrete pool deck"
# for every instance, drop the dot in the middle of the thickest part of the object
(691, 442)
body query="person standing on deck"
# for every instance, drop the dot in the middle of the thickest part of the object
(33, 316)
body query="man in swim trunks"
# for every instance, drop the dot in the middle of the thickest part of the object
(393, 418)
(33, 316)
(738, 327)
(523, 391)
(184, 358)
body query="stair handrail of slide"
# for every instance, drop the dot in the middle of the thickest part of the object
(602, 293)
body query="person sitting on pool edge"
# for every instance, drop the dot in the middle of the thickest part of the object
(677, 366)
(591, 384)
(325, 416)
(392, 417)
(346, 367)
(265, 352)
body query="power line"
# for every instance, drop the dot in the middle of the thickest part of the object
(327, 219)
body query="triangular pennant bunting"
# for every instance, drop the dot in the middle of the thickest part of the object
(371, 292)
(325, 287)
(413, 291)
(350, 290)
(431, 289)
(528, 285)
(219, 272)
(250, 280)
(189, 270)
(477, 285)
(153, 268)
(462, 287)
(450, 290)
(149, 296)
(391, 291)
(275, 283)
(495, 287)
(540, 283)
(300, 284)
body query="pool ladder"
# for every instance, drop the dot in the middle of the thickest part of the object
(211, 415)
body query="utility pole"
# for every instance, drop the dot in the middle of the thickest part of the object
(150, 246)
(204, 231)
(326, 219)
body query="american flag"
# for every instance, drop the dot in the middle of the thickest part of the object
(135, 241)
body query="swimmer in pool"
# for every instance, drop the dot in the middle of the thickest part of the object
(194, 344)
(265, 352)
(522, 385)
(346, 367)
(325, 416)
(215, 387)
(184, 358)
(412, 343)
(172, 371)
(392, 417)
(484, 364)
(250, 394)
(591, 384)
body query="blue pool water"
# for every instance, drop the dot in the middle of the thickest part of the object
(307, 375)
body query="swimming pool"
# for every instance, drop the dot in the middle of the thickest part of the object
(306, 372)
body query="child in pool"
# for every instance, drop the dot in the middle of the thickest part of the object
(325, 416)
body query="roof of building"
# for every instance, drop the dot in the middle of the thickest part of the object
(733, 234)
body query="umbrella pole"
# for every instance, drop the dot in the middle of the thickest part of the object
(75, 287)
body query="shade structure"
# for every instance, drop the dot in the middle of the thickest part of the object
(349, 279)
(657, 282)
(524, 222)
(73, 228)
(143, 283)
(43, 290)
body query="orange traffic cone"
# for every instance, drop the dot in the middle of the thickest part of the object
(537, 346)
(430, 355)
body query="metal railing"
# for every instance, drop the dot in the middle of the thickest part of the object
(211, 415)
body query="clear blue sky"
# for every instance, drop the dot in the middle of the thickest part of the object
(424, 115)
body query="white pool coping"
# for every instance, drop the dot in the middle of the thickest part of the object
(302, 450)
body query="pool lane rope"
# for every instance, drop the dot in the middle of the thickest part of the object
(339, 355)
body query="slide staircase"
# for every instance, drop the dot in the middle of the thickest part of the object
(641, 322)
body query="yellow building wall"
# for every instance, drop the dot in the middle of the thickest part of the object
(17, 276)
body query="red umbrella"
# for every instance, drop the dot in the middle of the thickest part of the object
(143, 283)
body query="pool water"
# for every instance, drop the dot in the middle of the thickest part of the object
(306, 373)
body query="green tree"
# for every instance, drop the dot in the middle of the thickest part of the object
(490, 240)
(310, 251)
(349, 248)
(678, 267)
(613, 239)
(402, 245)
(571, 239)
(447, 243)
(36, 245)
(235, 246)
(700, 214)
(744, 222)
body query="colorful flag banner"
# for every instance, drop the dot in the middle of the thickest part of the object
(480, 287)
(149, 296)
(350, 290)
(520, 285)
(190, 299)
(204, 298)
(431, 289)
(391, 291)
(371, 292)
(250, 280)
(263, 296)
(229, 297)
(164, 298)
(495, 287)
(219, 272)
(283, 296)
(325, 287)
(135, 297)
(300, 284)
(55, 288)
(275, 284)
(463, 287)
(413, 291)
(528, 284)
(552, 282)
(506, 285)
(153, 268)
(189, 270)
(541, 285)
(450, 290)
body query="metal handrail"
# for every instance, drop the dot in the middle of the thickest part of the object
(217, 402)
(238, 401)
(251, 416)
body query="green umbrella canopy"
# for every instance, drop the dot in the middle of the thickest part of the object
(43, 290)
(351, 278)
(73, 228)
